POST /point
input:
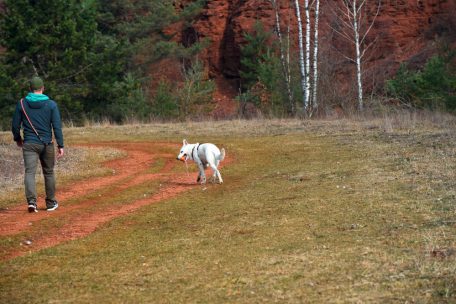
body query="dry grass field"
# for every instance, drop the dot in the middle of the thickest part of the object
(341, 211)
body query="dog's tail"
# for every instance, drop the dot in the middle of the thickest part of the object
(222, 154)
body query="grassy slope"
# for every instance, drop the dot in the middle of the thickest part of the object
(309, 213)
(78, 163)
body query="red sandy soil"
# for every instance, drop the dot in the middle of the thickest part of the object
(84, 217)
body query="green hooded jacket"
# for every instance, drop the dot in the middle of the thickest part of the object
(45, 117)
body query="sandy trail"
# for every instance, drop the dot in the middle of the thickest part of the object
(84, 217)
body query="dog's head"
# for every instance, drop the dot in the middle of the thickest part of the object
(183, 154)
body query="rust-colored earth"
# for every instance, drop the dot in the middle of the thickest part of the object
(82, 217)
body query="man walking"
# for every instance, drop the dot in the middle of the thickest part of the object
(39, 116)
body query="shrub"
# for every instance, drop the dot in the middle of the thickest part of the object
(252, 55)
(195, 93)
(131, 105)
(433, 87)
(165, 102)
(262, 81)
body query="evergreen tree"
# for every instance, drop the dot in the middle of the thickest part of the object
(166, 103)
(138, 28)
(94, 55)
(252, 55)
(195, 92)
(261, 78)
(434, 87)
(52, 39)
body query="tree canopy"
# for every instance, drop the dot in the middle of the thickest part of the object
(93, 55)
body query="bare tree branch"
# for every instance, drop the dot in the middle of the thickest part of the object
(342, 34)
(367, 47)
(343, 55)
(346, 24)
(373, 21)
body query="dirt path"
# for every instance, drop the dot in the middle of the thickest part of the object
(82, 218)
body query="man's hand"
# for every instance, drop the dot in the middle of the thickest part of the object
(19, 143)
(60, 152)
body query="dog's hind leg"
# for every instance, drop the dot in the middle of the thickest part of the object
(219, 177)
(212, 162)
(216, 173)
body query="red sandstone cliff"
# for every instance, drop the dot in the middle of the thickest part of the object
(404, 30)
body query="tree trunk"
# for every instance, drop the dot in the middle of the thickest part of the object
(358, 56)
(315, 57)
(307, 65)
(301, 55)
(285, 65)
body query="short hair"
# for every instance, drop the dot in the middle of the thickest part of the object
(36, 83)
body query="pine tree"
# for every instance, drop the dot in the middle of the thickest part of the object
(252, 54)
(51, 39)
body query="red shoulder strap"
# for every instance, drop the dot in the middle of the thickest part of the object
(28, 119)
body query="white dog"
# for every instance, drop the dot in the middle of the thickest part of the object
(204, 155)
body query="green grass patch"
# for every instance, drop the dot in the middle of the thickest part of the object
(99, 201)
(325, 214)
(78, 164)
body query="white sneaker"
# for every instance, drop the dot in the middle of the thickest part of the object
(51, 205)
(32, 207)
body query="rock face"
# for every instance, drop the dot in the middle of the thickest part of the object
(403, 27)
(403, 30)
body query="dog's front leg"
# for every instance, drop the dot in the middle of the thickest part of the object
(201, 175)
(201, 178)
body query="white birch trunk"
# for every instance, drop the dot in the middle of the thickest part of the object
(283, 60)
(288, 50)
(358, 56)
(315, 57)
(352, 20)
(288, 62)
(301, 55)
(307, 64)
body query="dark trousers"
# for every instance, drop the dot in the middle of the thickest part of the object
(46, 154)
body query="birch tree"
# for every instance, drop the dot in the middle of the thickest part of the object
(284, 57)
(307, 65)
(355, 28)
(302, 64)
(305, 55)
(315, 57)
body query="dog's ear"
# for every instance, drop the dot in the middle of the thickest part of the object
(185, 142)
